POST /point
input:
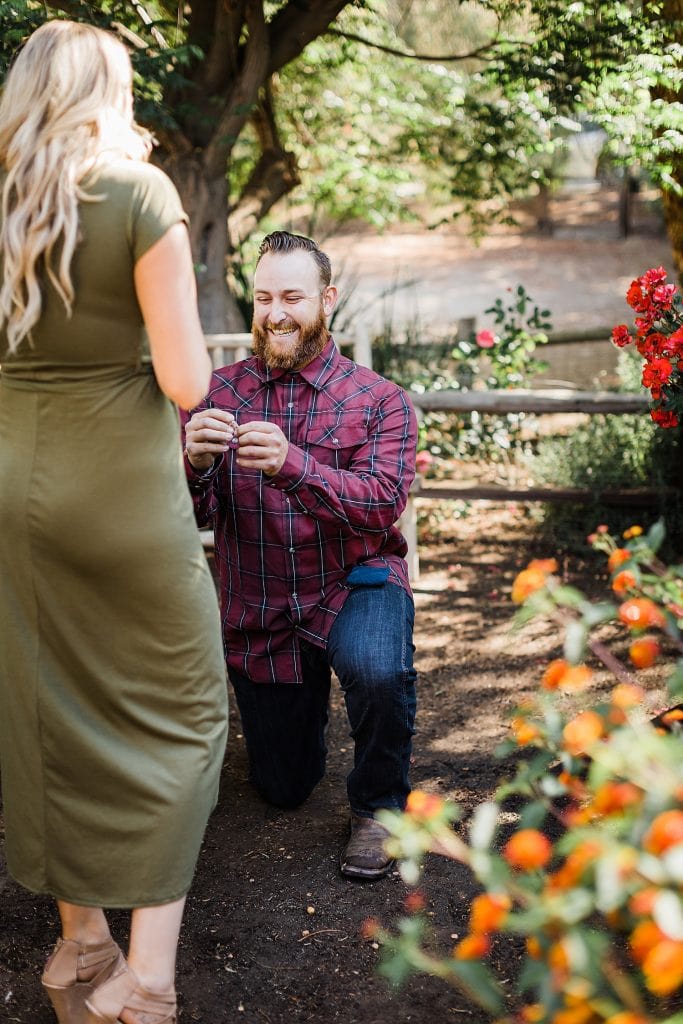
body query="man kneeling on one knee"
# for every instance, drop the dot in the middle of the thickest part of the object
(301, 460)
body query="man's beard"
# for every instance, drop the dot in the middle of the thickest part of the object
(312, 340)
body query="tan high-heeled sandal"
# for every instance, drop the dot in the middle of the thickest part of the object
(123, 991)
(73, 972)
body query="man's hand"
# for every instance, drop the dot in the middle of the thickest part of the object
(261, 446)
(207, 435)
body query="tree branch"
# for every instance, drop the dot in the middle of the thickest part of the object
(243, 97)
(274, 176)
(298, 24)
(481, 52)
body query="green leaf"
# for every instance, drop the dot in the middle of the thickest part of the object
(483, 825)
(575, 642)
(655, 535)
(477, 982)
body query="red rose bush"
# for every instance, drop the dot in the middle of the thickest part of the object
(659, 339)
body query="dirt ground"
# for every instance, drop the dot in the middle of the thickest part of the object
(272, 932)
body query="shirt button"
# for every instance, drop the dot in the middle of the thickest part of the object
(335, 440)
(290, 405)
(295, 596)
(292, 549)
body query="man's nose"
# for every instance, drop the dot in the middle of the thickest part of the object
(277, 312)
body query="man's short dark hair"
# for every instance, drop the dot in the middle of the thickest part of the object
(284, 241)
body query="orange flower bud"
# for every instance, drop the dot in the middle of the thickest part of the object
(532, 1013)
(627, 695)
(617, 558)
(663, 967)
(579, 1014)
(558, 961)
(623, 581)
(581, 732)
(633, 531)
(527, 850)
(472, 947)
(370, 928)
(415, 902)
(644, 651)
(424, 806)
(527, 583)
(613, 797)
(641, 613)
(560, 675)
(665, 831)
(628, 1017)
(525, 732)
(546, 565)
(644, 938)
(488, 912)
(642, 902)
(533, 947)
(554, 673)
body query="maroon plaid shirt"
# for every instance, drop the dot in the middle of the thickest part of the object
(285, 544)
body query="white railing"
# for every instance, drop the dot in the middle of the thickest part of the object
(229, 348)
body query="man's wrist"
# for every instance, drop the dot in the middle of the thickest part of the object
(201, 470)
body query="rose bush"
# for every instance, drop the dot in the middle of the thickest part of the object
(659, 340)
(598, 897)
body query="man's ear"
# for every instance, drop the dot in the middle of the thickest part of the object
(330, 296)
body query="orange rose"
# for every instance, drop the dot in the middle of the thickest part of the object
(644, 938)
(488, 912)
(613, 797)
(642, 902)
(665, 831)
(623, 581)
(627, 695)
(472, 947)
(527, 850)
(560, 675)
(641, 613)
(546, 565)
(617, 558)
(644, 652)
(627, 1017)
(581, 732)
(527, 583)
(424, 806)
(524, 731)
(663, 967)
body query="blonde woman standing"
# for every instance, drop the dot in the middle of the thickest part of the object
(112, 685)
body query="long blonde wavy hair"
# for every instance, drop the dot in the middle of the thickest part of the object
(66, 106)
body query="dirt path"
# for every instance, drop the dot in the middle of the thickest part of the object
(432, 279)
(272, 934)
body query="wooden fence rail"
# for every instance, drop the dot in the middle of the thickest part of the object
(227, 348)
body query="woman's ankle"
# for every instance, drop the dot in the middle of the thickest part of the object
(87, 936)
(152, 978)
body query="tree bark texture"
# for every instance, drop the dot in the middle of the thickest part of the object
(227, 90)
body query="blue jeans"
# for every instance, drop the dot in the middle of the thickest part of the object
(370, 648)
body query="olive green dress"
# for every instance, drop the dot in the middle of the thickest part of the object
(113, 709)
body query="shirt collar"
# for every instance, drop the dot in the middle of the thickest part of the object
(316, 373)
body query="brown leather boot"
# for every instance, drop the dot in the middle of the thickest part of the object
(364, 857)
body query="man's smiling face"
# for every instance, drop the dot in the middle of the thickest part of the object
(291, 307)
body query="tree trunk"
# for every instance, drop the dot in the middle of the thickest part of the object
(205, 198)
